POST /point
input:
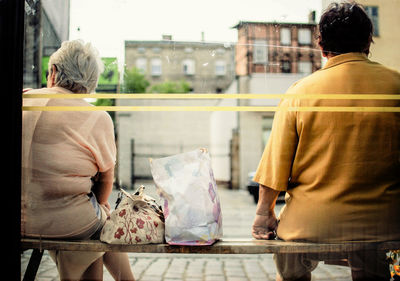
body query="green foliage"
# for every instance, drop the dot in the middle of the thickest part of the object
(134, 81)
(171, 87)
(103, 102)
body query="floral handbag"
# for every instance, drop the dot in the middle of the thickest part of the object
(137, 219)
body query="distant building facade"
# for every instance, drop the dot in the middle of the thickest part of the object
(207, 67)
(271, 47)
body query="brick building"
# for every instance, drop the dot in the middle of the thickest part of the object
(271, 47)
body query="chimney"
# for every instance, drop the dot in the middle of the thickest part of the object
(311, 17)
(167, 37)
(202, 36)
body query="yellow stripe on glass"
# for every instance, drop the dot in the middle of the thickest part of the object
(215, 96)
(213, 108)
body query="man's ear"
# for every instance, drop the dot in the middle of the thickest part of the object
(320, 47)
(367, 48)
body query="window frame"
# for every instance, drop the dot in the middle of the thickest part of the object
(141, 64)
(288, 43)
(260, 46)
(309, 38)
(189, 67)
(12, 79)
(220, 63)
(302, 63)
(374, 18)
(156, 62)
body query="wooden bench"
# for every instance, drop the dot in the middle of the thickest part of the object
(331, 253)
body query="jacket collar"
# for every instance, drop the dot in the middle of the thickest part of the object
(339, 59)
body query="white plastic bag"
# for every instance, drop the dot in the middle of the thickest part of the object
(191, 203)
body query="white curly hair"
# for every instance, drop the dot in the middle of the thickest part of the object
(78, 66)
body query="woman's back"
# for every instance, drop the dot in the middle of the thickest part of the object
(64, 150)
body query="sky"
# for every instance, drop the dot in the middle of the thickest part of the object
(108, 23)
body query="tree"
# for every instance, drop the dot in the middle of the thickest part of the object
(134, 81)
(171, 87)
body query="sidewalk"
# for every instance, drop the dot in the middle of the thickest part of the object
(238, 212)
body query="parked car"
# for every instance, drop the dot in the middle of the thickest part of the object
(253, 188)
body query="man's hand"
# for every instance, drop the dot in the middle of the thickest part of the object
(265, 222)
(264, 226)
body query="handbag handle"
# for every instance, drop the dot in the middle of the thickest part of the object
(140, 190)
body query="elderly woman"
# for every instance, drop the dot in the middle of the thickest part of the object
(63, 152)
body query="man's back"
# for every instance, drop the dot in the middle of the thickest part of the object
(344, 167)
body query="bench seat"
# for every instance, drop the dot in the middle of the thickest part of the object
(225, 246)
(330, 253)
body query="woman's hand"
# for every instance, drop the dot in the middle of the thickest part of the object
(107, 208)
(264, 226)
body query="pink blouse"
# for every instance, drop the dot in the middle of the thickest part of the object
(61, 152)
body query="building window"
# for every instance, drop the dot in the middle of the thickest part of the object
(260, 53)
(220, 51)
(188, 67)
(220, 68)
(372, 12)
(141, 50)
(286, 66)
(285, 36)
(156, 50)
(156, 67)
(141, 65)
(305, 67)
(304, 36)
(188, 50)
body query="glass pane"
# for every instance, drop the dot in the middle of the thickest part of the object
(225, 67)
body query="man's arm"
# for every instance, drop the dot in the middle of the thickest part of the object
(265, 222)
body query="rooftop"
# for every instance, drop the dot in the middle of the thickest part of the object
(241, 23)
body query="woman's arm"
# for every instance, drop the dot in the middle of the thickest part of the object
(103, 187)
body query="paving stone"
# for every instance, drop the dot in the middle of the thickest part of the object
(194, 278)
(215, 278)
(149, 278)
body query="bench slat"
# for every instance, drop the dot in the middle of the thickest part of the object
(226, 246)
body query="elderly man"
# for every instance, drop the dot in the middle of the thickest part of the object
(341, 170)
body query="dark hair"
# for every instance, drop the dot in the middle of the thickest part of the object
(345, 28)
